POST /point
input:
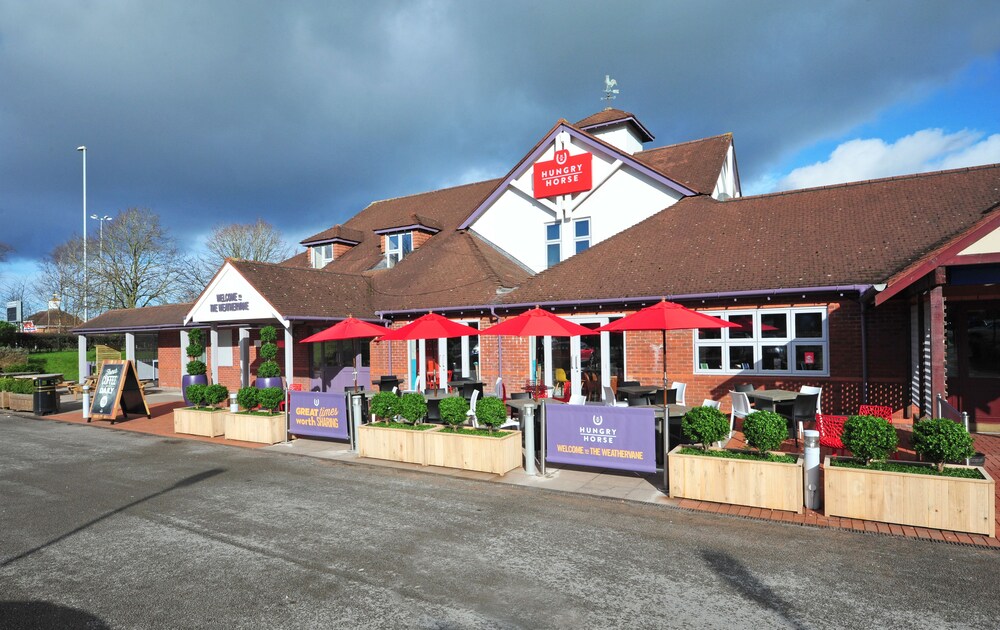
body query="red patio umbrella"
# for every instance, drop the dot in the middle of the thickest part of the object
(430, 326)
(350, 328)
(664, 316)
(538, 323)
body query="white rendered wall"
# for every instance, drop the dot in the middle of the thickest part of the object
(727, 177)
(621, 197)
(989, 244)
(621, 138)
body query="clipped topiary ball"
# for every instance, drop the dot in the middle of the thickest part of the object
(215, 394)
(491, 411)
(765, 430)
(247, 397)
(705, 425)
(869, 437)
(941, 441)
(384, 405)
(454, 410)
(413, 407)
(196, 394)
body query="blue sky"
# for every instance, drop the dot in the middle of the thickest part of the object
(302, 113)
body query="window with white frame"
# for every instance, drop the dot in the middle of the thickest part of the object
(397, 246)
(581, 234)
(322, 255)
(766, 341)
(553, 243)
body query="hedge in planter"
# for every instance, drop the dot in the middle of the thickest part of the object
(491, 411)
(413, 407)
(765, 431)
(705, 425)
(940, 440)
(454, 411)
(384, 405)
(869, 438)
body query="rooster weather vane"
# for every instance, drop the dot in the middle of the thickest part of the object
(609, 90)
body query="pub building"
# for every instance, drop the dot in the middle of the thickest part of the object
(882, 291)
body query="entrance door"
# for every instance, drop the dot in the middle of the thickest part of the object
(146, 364)
(580, 365)
(974, 359)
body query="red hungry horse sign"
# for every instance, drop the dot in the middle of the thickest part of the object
(563, 175)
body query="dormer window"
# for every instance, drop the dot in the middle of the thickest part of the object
(322, 255)
(397, 246)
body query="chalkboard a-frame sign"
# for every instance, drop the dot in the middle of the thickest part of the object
(118, 391)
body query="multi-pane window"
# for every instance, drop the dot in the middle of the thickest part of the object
(397, 246)
(553, 245)
(581, 234)
(766, 341)
(322, 255)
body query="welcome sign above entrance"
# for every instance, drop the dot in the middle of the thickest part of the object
(230, 298)
(564, 175)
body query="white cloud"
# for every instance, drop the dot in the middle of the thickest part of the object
(872, 158)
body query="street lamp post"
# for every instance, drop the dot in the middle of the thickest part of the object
(83, 150)
(102, 220)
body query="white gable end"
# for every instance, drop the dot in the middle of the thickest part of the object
(620, 196)
(989, 244)
(230, 298)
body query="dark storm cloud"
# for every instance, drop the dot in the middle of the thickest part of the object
(302, 113)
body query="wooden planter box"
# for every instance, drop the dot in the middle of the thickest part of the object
(197, 422)
(498, 455)
(769, 485)
(3, 400)
(961, 505)
(251, 428)
(20, 402)
(398, 445)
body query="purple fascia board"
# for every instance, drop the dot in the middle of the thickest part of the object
(403, 228)
(849, 288)
(119, 329)
(337, 318)
(575, 133)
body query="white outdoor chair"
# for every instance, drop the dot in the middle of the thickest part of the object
(741, 409)
(498, 389)
(609, 398)
(510, 423)
(577, 399)
(809, 389)
(681, 388)
(714, 404)
(471, 413)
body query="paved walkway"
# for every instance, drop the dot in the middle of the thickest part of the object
(607, 483)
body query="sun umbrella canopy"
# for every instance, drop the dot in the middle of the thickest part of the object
(350, 328)
(666, 316)
(538, 323)
(430, 326)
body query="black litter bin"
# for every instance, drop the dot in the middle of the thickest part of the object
(46, 398)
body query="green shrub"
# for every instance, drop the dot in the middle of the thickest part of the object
(705, 425)
(454, 410)
(11, 358)
(268, 352)
(215, 394)
(384, 405)
(21, 367)
(246, 397)
(413, 407)
(941, 440)
(491, 411)
(196, 394)
(6, 383)
(765, 430)
(195, 348)
(22, 386)
(196, 368)
(868, 437)
(270, 397)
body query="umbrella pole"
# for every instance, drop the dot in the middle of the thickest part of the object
(354, 360)
(666, 420)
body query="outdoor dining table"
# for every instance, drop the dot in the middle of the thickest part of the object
(771, 398)
(633, 391)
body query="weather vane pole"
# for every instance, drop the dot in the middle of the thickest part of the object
(609, 90)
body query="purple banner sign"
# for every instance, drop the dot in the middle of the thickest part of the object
(318, 414)
(604, 437)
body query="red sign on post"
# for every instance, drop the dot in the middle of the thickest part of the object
(564, 175)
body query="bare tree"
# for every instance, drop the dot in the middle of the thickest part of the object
(62, 276)
(258, 241)
(140, 263)
(4, 250)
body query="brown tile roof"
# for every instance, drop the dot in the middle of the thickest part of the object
(858, 233)
(145, 318)
(54, 317)
(337, 232)
(308, 292)
(301, 260)
(462, 270)
(696, 164)
(446, 207)
(611, 116)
